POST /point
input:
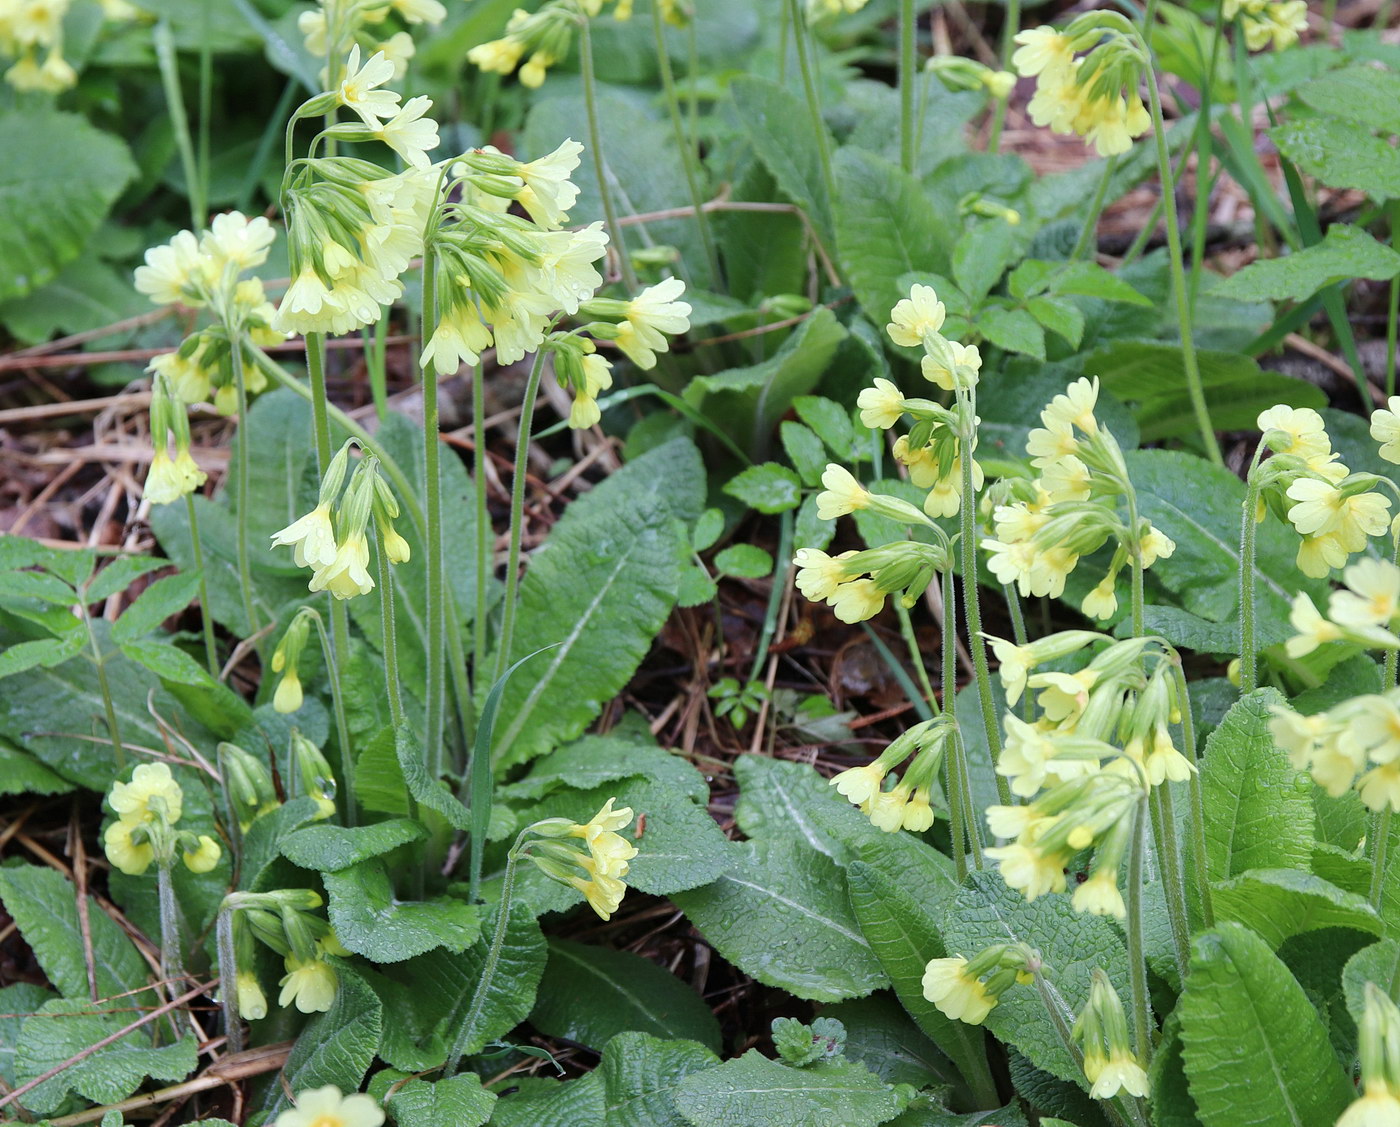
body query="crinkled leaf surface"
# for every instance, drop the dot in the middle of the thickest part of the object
(1280, 903)
(1345, 253)
(641, 1074)
(459, 1101)
(338, 1046)
(332, 848)
(370, 920)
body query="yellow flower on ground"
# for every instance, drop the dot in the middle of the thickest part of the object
(326, 1107)
(309, 984)
(957, 994)
(152, 793)
(131, 857)
(311, 537)
(348, 574)
(914, 316)
(843, 493)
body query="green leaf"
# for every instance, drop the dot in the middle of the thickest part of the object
(371, 921)
(1089, 279)
(44, 652)
(403, 441)
(17, 1002)
(23, 774)
(595, 760)
(1255, 1050)
(170, 663)
(163, 598)
(782, 917)
(831, 422)
(329, 849)
(886, 226)
(904, 935)
(1192, 632)
(431, 792)
(810, 531)
(508, 994)
(1344, 254)
(1256, 816)
(1280, 903)
(1378, 963)
(598, 593)
(65, 1027)
(64, 175)
(1341, 154)
(753, 1091)
(120, 574)
(766, 113)
(1148, 374)
(1367, 95)
(43, 905)
(640, 1077)
(981, 256)
(552, 1103)
(769, 487)
(1198, 505)
(1015, 330)
(985, 912)
(744, 561)
(880, 1035)
(806, 451)
(336, 1047)
(1063, 318)
(459, 1101)
(87, 294)
(1172, 1105)
(591, 994)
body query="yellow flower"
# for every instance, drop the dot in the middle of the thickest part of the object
(499, 56)
(957, 366)
(1303, 427)
(1164, 761)
(396, 548)
(651, 315)
(859, 784)
(310, 984)
(1099, 896)
(880, 406)
(818, 575)
(1296, 734)
(358, 91)
(1323, 509)
(1064, 695)
(203, 857)
(326, 1107)
(1066, 479)
(857, 600)
(348, 574)
(288, 697)
(1102, 601)
(914, 316)
(1374, 595)
(1385, 429)
(152, 793)
(603, 893)
(1015, 662)
(958, 995)
(129, 856)
(1378, 1106)
(1379, 787)
(843, 493)
(1118, 1072)
(1029, 871)
(1155, 545)
(1313, 629)
(252, 1002)
(918, 811)
(1042, 51)
(311, 537)
(1319, 555)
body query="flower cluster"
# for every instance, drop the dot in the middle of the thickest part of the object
(1103, 735)
(967, 990)
(1334, 510)
(1267, 23)
(908, 804)
(545, 36)
(332, 27)
(1354, 745)
(1378, 1047)
(1046, 525)
(286, 922)
(248, 785)
(28, 27)
(1087, 79)
(317, 779)
(598, 874)
(147, 809)
(333, 538)
(326, 1107)
(1110, 1065)
(169, 478)
(1365, 613)
(856, 584)
(207, 272)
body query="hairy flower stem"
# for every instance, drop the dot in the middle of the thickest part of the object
(689, 158)
(600, 166)
(972, 610)
(1137, 962)
(172, 957)
(1380, 830)
(337, 655)
(228, 979)
(954, 762)
(105, 688)
(908, 62)
(484, 533)
(1009, 29)
(486, 982)
(1198, 810)
(211, 654)
(432, 488)
(1189, 363)
(1091, 221)
(1249, 668)
(809, 88)
(517, 515)
(391, 642)
(1173, 885)
(245, 570)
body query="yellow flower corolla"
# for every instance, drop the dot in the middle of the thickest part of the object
(881, 406)
(309, 984)
(152, 793)
(311, 537)
(916, 316)
(326, 1107)
(347, 575)
(843, 493)
(958, 995)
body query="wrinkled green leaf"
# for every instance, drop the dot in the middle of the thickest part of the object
(370, 920)
(769, 488)
(1341, 154)
(331, 848)
(1345, 253)
(753, 1091)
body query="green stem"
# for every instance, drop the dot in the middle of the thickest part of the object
(179, 120)
(432, 486)
(972, 610)
(1380, 830)
(1091, 221)
(1198, 809)
(814, 105)
(1201, 212)
(908, 34)
(211, 655)
(775, 598)
(1390, 655)
(335, 662)
(172, 957)
(517, 515)
(1137, 962)
(959, 792)
(245, 567)
(689, 157)
(113, 732)
(485, 983)
(228, 979)
(1392, 311)
(1194, 388)
(595, 142)
(1249, 674)
(485, 534)
(391, 643)
(1174, 886)
(1008, 44)
(916, 657)
(206, 103)
(376, 366)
